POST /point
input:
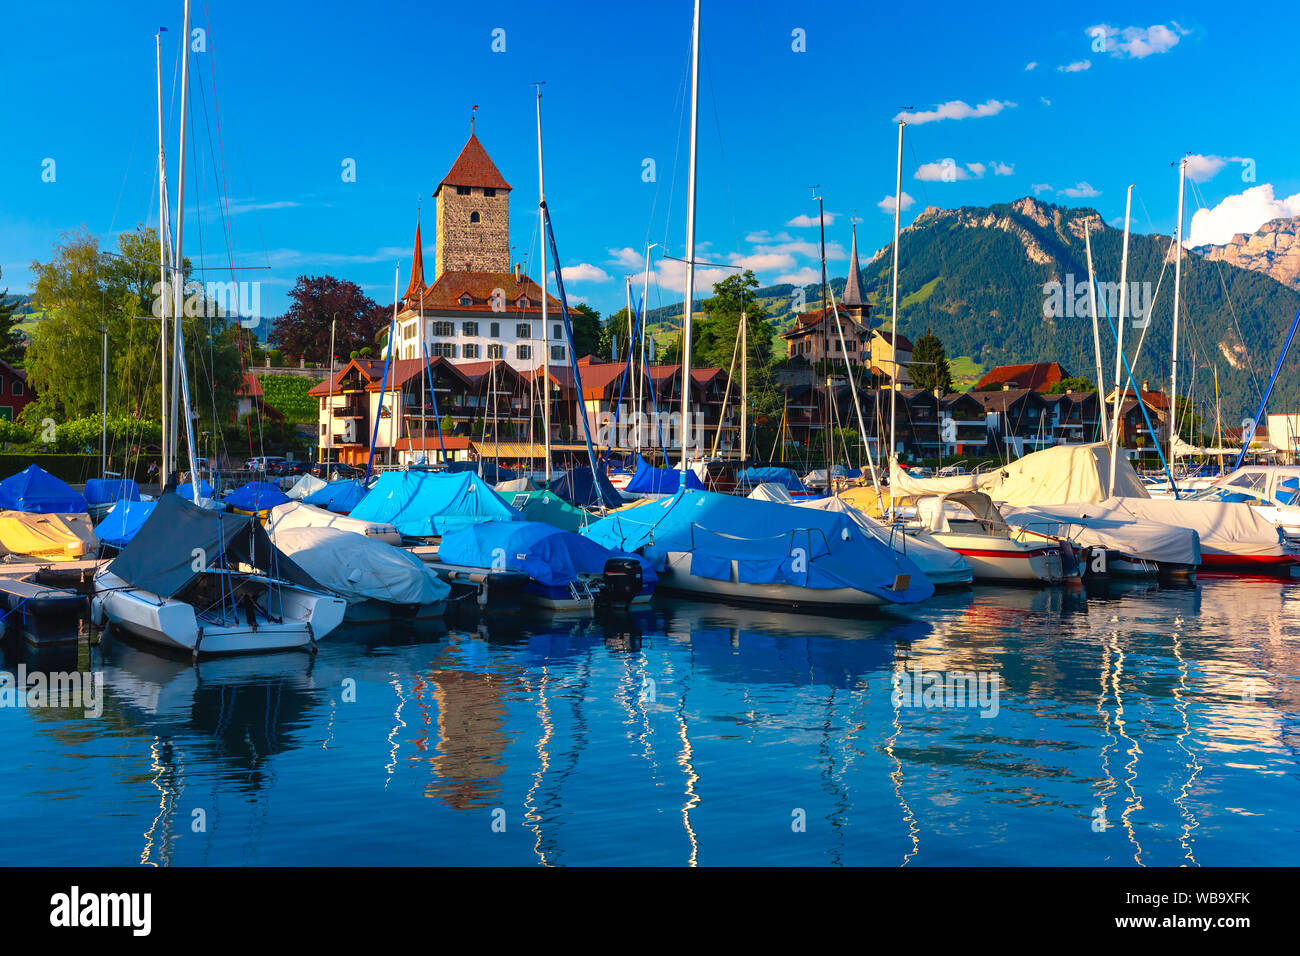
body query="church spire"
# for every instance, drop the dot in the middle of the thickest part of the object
(853, 297)
(417, 288)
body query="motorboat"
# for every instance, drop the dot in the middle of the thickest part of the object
(1273, 491)
(969, 523)
(209, 583)
(704, 543)
(295, 514)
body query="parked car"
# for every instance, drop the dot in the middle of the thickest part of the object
(328, 469)
(262, 462)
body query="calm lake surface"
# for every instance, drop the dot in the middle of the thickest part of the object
(1146, 727)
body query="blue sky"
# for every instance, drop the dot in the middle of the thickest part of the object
(300, 88)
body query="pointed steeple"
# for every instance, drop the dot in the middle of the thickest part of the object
(417, 288)
(853, 296)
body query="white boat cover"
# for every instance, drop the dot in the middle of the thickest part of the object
(1109, 524)
(294, 514)
(940, 564)
(357, 568)
(1064, 473)
(305, 485)
(1224, 527)
(514, 486)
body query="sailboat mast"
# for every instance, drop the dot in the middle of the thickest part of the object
(893, 376)
(163, 229)
(645, 355)
(744, 386)
(827, 429)
(546, 335)
(688, 305)
(1096, 334)
(1119, 343)
(1178, 281)
(178, 340)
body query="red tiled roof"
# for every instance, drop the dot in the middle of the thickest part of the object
(1038, 376)
(444, 295)
(369, 369)
(904, 343)
(250, 387)
(473, 168)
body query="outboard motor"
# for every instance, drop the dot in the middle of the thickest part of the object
(621, 582)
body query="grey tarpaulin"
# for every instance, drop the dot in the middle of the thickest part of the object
(163, 555)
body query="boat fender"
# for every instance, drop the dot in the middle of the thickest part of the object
(97, 613)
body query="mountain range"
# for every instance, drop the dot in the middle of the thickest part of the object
(1007, 284)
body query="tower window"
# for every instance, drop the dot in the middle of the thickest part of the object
(462, 190)
(489, 192)
(473, 217)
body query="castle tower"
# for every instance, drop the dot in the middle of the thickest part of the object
(473, 225)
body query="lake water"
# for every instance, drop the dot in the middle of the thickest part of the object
(1146, 727)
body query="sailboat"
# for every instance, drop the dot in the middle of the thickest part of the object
(200, 580)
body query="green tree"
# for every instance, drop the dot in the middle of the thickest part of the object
(586, 331)
(929, 369)
(1075, 382)
(11, 349)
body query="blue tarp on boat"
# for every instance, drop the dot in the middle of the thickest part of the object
(35, 490)
(103, 491)
(339, 497)
(785, 477)
(186, 490)
(422, 504)
(649, 480)
(545, 553)
(581, 489)
(771, 543)
(255, 496)
(123, 520)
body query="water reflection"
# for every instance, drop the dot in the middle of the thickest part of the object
(1140, 726)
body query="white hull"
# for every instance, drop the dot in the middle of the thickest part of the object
(1004, 559)
(677, 576)
(305, 617)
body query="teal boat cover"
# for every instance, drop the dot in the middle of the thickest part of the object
(649, 480)
(339, 497)
(771, 543)
(545, 553)
(36, 491)
(123, 520)
(255, 496)
(104, 491)
(422, 504)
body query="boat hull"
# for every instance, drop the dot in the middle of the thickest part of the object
(1005, 560)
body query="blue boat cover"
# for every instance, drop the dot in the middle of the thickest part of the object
(771, 543)
(339, 497)
(255, 496)
(579, 488)
(35, 490)
(649, 480)
(545, 553)
(186, 490)
(785, 477)
(102, 491)
(123, 520)
(422, 504)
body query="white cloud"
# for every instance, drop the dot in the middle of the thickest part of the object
(1046, 101)
(1003, 169)
(1079, 191)
(763, 236)
(1203, 168)
(1078, 66)
(1033, 65)
(943, 171)
(804, 276)
(887, 204)
(1040, 188)
(627, 258)
(977, 169)
(1136, 43)
(803, 221)
(584, 272)
(1244, 212)
(955, 110)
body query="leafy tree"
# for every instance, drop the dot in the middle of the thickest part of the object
(11, 349)
(1074, 382)
(929, 369)
(83, 291)
(587, 331)
(314, 304)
